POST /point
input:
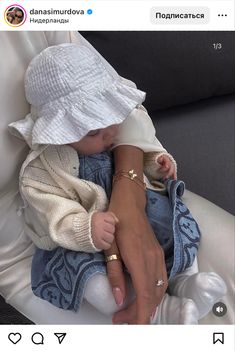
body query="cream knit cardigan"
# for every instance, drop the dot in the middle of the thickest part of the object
(59, 205)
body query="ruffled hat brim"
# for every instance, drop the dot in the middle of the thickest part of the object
(69, 118)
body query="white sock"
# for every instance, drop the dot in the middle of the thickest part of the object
(204, 288)
(175, 310)
(99, 294)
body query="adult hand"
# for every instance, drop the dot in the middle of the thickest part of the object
(116, 276)
(136, 242)
(144, 260)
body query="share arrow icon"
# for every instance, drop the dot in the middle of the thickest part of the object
(60, 336)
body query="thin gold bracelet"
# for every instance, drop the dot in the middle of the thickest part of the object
(131, 175)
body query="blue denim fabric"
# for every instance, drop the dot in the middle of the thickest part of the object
(60, 276)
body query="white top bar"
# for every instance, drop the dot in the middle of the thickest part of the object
(122, 15)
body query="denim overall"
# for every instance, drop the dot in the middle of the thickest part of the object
(60, 276)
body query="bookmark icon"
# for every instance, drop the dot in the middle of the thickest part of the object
(60, 336)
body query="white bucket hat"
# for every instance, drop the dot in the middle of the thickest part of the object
(71, 92)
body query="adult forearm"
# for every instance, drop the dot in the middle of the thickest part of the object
(129, 158)
(135, 241)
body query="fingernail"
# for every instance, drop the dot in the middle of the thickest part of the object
(118, 296)
(115, 217)
(117, 220)
(153, 315)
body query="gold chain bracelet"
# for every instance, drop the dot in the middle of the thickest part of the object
(131, 175)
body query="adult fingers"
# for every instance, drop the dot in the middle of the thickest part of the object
(161, 282)
(129, 315)
(144, 285)
(161, 289)
(148, 299)
(116, 276)
(117, 281)
(144, 309)
(126, 316)
(158, 288)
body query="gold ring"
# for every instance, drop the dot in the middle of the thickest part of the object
(113, 257)
(160, 282)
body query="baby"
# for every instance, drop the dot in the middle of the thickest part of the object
(79, 113)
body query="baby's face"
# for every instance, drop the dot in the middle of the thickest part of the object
(96, 141)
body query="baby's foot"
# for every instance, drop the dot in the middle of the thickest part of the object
(205, 289)
(99, 294)
(175, 310)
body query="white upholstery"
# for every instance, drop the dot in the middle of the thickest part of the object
(217, 247)
(216, 252)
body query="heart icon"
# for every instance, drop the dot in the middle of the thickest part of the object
(14, 337)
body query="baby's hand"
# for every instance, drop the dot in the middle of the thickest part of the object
(167, 169)
(103, 229)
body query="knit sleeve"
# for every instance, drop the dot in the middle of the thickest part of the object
(55, 220)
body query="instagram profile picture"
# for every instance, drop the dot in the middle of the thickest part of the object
(15, 15)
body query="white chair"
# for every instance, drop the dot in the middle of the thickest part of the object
(216, 251)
